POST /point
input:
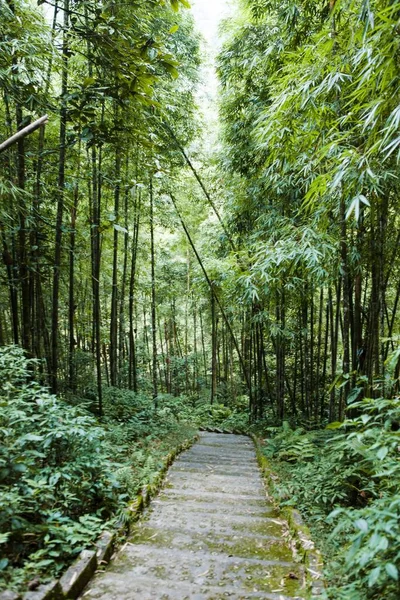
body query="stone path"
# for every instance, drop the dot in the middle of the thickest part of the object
(210, 535)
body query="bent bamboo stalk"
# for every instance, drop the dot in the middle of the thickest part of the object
(23, 132)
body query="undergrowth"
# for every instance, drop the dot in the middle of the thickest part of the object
(346, 482)
(65, 475)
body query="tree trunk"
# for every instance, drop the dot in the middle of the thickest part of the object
(123, 353)
(213, 349)
(203, 347)
(114, 292)
(95, 230)
(72, 306)
(60, 204)
(132, 372)
(153, 295)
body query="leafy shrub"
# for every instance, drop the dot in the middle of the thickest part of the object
(53, 471)
(373, 531)
(58, 483)
(290, 445)
(237, 421)
(372, 537)
(122, 405)
(178, 408)
(348, 487)
(204, 414)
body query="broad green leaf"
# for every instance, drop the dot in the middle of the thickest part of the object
(362, 525)
(374, 576)
(382, 452)
(392, 571)
(3, 563)
(334, 425)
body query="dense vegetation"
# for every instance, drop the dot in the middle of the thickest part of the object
(155, 284)
(347, 486)
(310, 111)
(64, 476)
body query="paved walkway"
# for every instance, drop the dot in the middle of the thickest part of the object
(210, 535)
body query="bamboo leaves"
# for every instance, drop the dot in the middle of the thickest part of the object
(355, 206)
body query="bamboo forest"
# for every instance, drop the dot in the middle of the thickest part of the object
(200, 299)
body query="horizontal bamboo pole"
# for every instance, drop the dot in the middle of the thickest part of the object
(23, 132)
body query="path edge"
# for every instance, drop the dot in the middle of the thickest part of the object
(311, 557)
(76, 577)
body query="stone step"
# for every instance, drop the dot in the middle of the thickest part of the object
(132, 587)
(204, 467)
(243, 546)
(243, 523)
(210, 475)
(230, 498)
(264, 510)
(210, 535)
(229, 438)
(213, 483)
(161, 567)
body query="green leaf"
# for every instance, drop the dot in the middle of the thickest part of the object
(382, 452)
(392, 571)
(88, 81)
(362, 525)
(174, 29)
(354, 394)
(355, 206)
(173, 71)
(374, 576)
(20, 468)
(4, 537)
(335, 513)
(334, 425)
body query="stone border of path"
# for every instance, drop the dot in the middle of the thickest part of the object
(310, 556)
(78, 575)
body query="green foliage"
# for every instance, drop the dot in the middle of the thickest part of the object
(290, 446)
(230, 416)
(62, 475)
(370, 564)
(124, 406)
(346, 482)
(310, 115)
(56, 482)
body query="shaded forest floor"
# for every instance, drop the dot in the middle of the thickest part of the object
(66, 475)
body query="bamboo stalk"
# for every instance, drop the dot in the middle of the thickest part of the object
(23, 133)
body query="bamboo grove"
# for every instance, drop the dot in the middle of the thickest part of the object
(136, 256)
(76, 197)
(310, 111)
